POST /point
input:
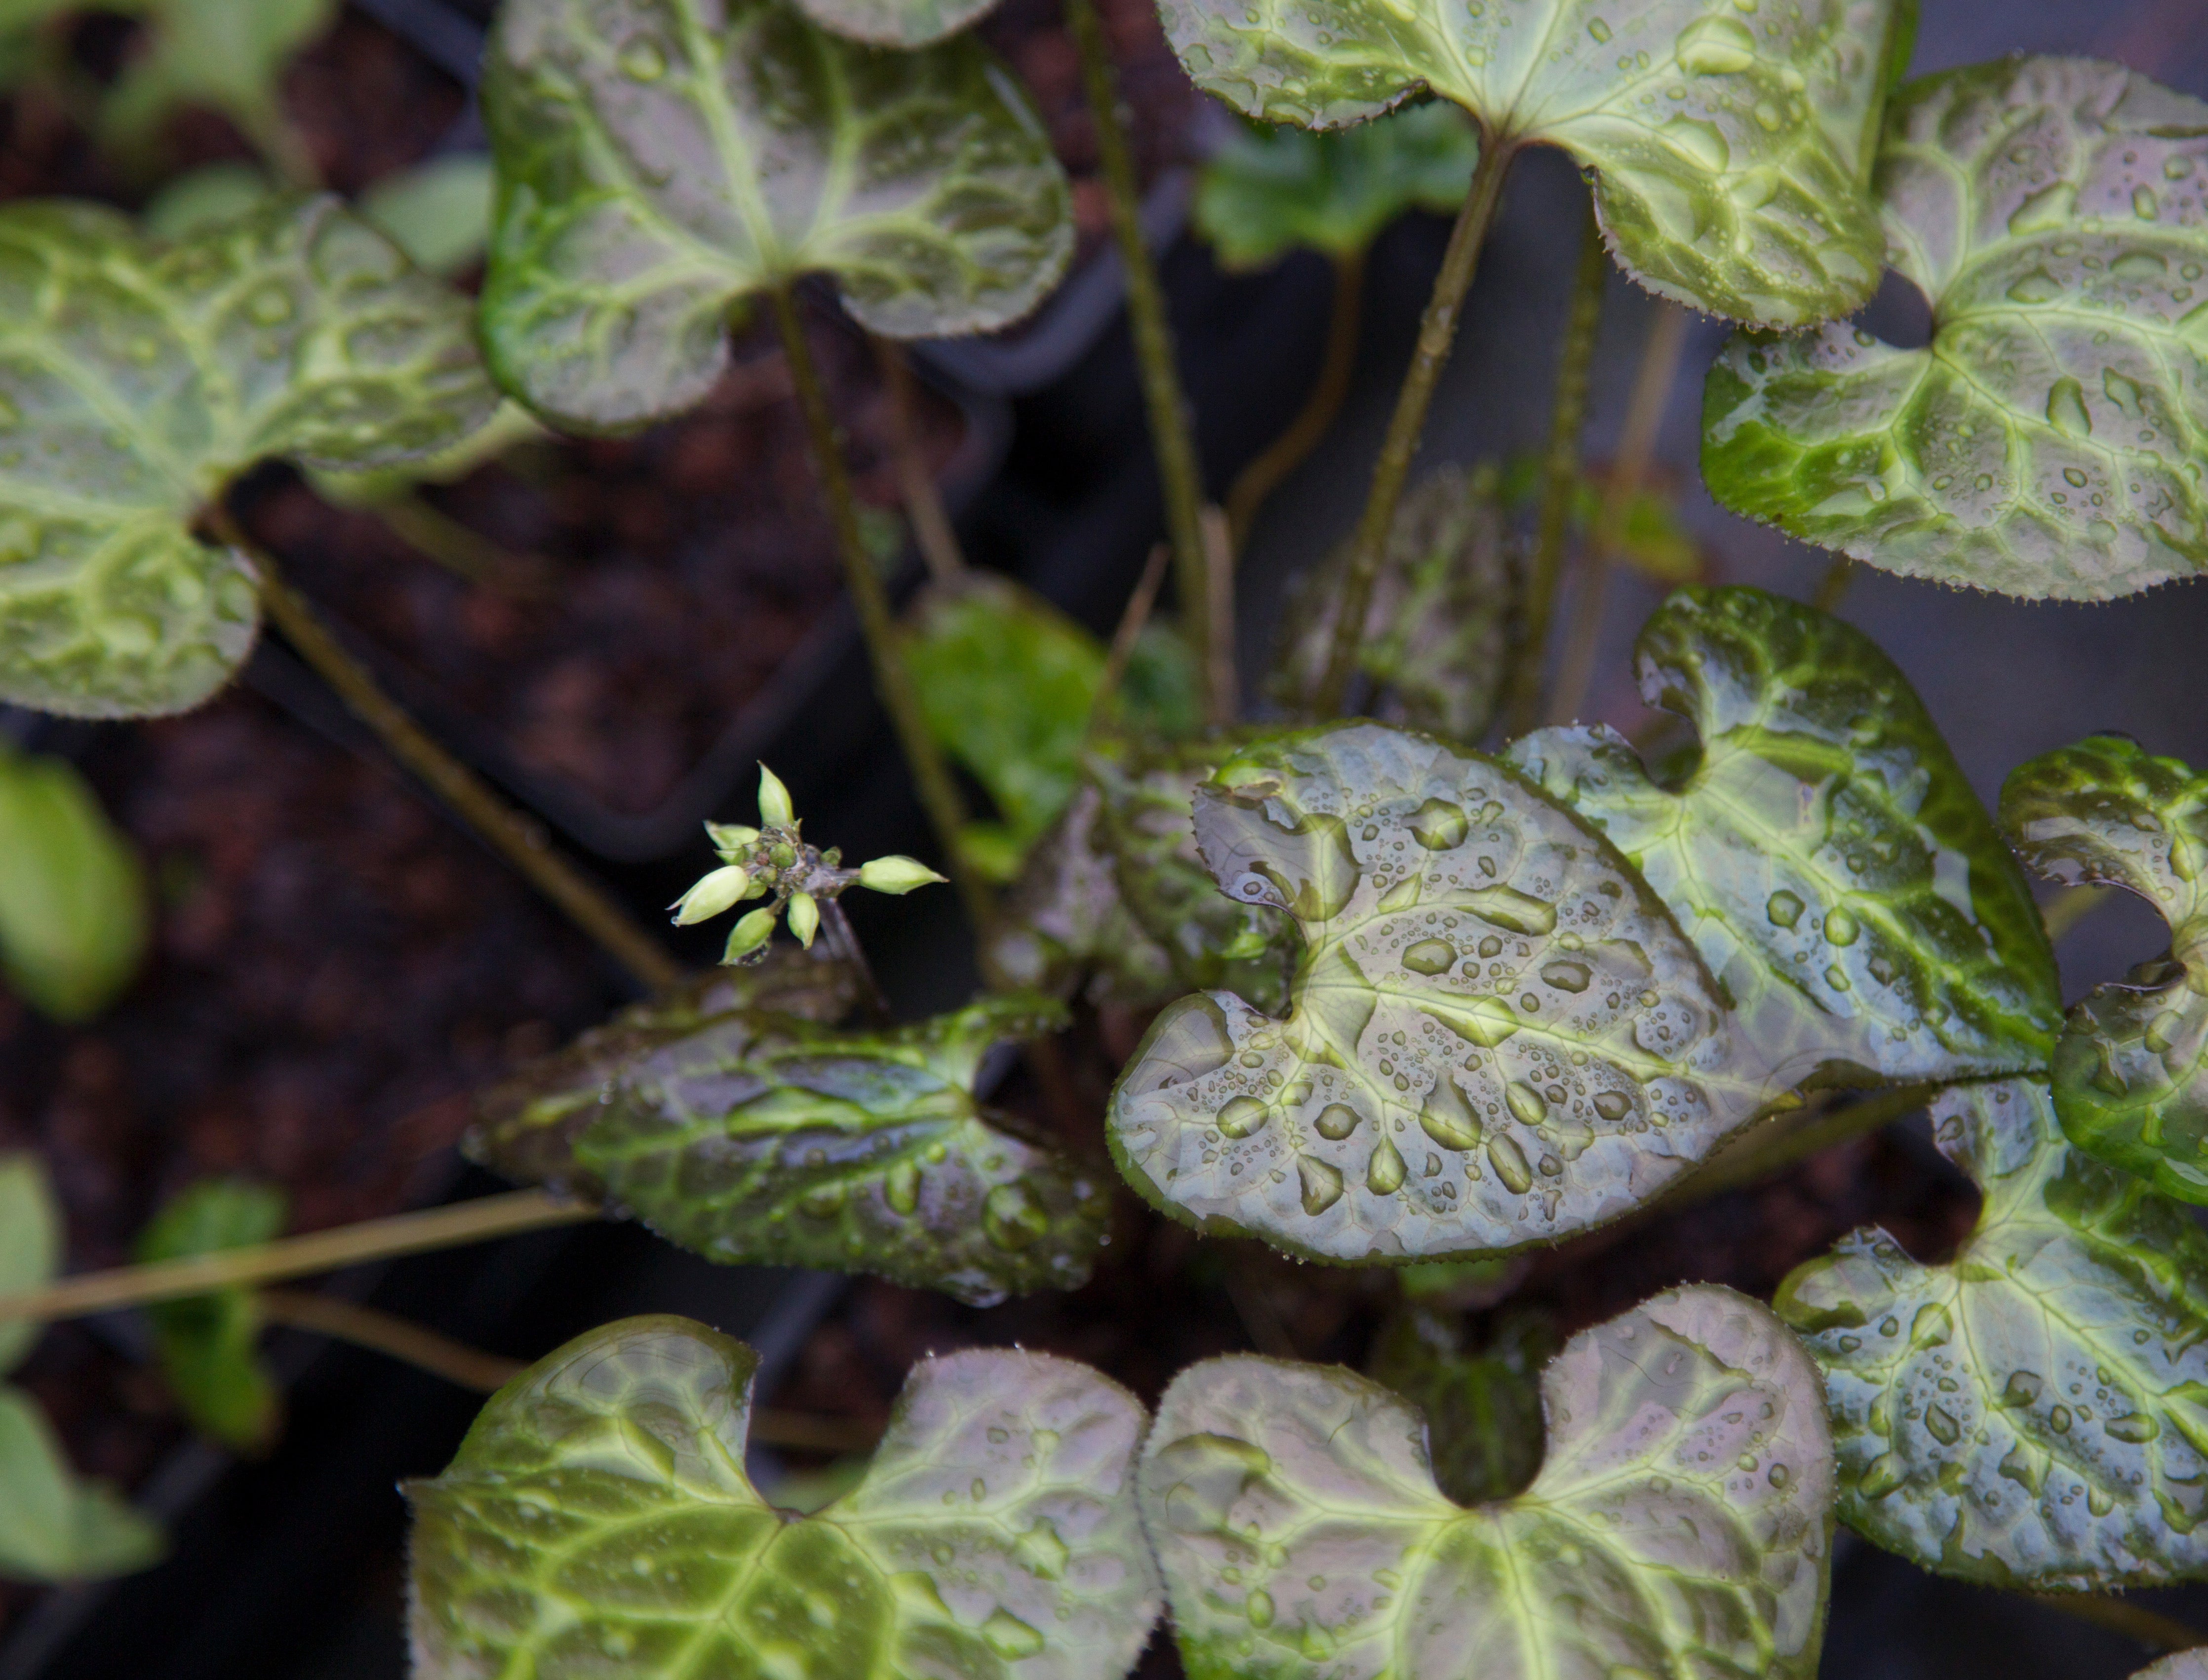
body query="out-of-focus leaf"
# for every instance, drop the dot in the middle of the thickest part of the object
(762, 1138)
(1007, 683)
(1482, 1406)
(2180, 1665)
(1681, 1522)
(510, 426)
(1825, 851)
(1267, 191)
(2050, 438)
(1160, 697)
(660, 159)
(2131, 1069)
(204, 198)
(896, 23)
(30, 1244)
(1434, 635)
(438, 212)
(227, 55)
(1118, 891)
(210, 1344)
(1654, 540)
(137, 379)
(73, 912)
(598, 1520)
(1731, 151)
(2035, 1412)
(1497, 1034)
(54, 1526)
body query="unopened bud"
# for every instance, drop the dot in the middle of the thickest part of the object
(774, 801)
(721, 891)
(751, 934)
(804, 918)
(730, 837)
(896, 874)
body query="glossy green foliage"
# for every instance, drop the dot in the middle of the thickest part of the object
(1007, 683)
(597, 1520)
(210, 1344)
(1117, 894)
(1497, 1034)
(73, 910)
(1731, 151)
(1435, 636)
(1824, 851)
(659, 160)
(755, 1136)
(2035, 1411)
(2051, 438)
(1482, 1404)
(1267, 191)
(136, 378)
(2131, 1069)
(53, 1526)
(1681, 1523)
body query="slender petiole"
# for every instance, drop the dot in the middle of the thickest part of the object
(1285, 454)
(916, 485)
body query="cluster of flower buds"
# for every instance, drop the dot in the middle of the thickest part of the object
(773, 862)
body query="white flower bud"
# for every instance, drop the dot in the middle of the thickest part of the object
(750, 932)
(895, 874)
(722, 889)
(804, 918)
(774, 801)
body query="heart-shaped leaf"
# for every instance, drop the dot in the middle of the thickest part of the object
(1497, 1033)
(597, 1520)
(210, 1344)
(137, 379)
(2050, 441)
(2035, 1412)
(54, 1526)
(1731, 151)
(1824, 852)
(660, 160)
(1482, 1404)
(761, 1138)
(1266, 192)
(1681, 1523)
(73, 902)
(1434, 642)
(2131, 1069)
(226, 55)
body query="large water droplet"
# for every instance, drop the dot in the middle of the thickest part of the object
(1241, 1115)
(1448, 1118)
(1509, 1161)
(1612, 1105)
(1700, 141)
(2134, 1427)
(901, 1186)
(643, 60)
(1841, 928)
(2049, 207)
(1526, 1103)
(1783, 907)
(2059, 1420)
(1599, 29)
(1041, 1551)
(1508, 908)
(1321, 1184)
(1337, 1120)
(2066, 409)
(823, 1202)
(2142, 204)
(1942, 1424)
(1259, 1607)
(1384, 1173)
(1716, 46)
(1566, 975)
(1009, 1637)
(2037, 287)
(1880, 1477)
(2022, 1388)
(1430, 956)
(1438, 825)
(1011, 1218)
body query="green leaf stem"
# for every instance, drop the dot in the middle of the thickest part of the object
(2051, 438)
(597, 1520)
(1681, 1522)
(210, 1344)
(1824, 851)
(1497, 1034)
(1482, 1404)
(660, 160)
(2034, 1412)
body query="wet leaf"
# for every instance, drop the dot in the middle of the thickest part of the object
(2049, 440)
(1824, 852)
(1731, 154)
(660, 159)
(598, 1520)
(897, 23)
(1434, 637)
(1482, 1404)
(2131, 1069)
(761, 1137)
(1267, 191)
(210, 1344)
(2180, 1665)
(1497, 1033)
(1119, 893)
(137, 379)
(1007, 683)
(54, 1526)
(1681, 1522)
(2031, 1413)
(73, 911)
(30, 1244)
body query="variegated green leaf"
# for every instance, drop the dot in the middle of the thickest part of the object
(2035, 1412)
(2131, 1069)
(597, 1521)
(53, 1525)
(1266, 192)
(1482, 1403)
(659, 160)
(1497, 1034)
(897, 23)
(1681, 1523)
(1730, 150)
(763, 1137)
(210, 1344)
(2182, 1665)
(73, 917)
(2050, 438)
(137, 379)
(1824, 851)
